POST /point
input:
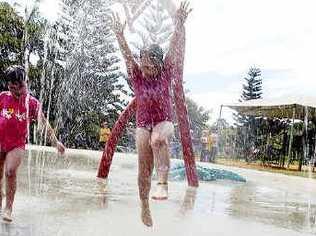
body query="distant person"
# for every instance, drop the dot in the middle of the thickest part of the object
(205, 146)
(151, 81)
(17, 108)
(104, 134)
(195, 144)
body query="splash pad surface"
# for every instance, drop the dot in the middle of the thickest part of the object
(61, 197)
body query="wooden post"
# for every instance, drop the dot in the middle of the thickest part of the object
(305, 140)
(291, 139)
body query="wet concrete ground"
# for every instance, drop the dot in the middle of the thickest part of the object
(58, 196)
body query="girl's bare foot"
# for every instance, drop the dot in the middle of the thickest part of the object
(145, 214)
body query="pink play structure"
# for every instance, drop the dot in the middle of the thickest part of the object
(179, 99)
(182, 115)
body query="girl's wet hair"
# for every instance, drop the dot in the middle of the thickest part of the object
(14, 74)
(155, 53)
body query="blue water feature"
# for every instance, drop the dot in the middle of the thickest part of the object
(177, 173)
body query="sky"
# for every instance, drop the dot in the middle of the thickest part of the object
(226, 37)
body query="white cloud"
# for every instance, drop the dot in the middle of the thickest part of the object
(228, 35)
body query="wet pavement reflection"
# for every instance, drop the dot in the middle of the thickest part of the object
(60, 196)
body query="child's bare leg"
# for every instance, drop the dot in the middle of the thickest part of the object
(12, 162)
(145, 169)
(2, 160)
(160, 145)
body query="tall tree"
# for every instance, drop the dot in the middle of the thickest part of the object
(247, 126)
(20, 37)
(198, 116)
(11, 38)
(252, 89)
(92, 89)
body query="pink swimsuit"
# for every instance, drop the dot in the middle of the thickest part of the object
(153, 97)
(13, 120)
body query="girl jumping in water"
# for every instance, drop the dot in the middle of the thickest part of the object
(151, 81)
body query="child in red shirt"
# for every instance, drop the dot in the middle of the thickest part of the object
(17, 109)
